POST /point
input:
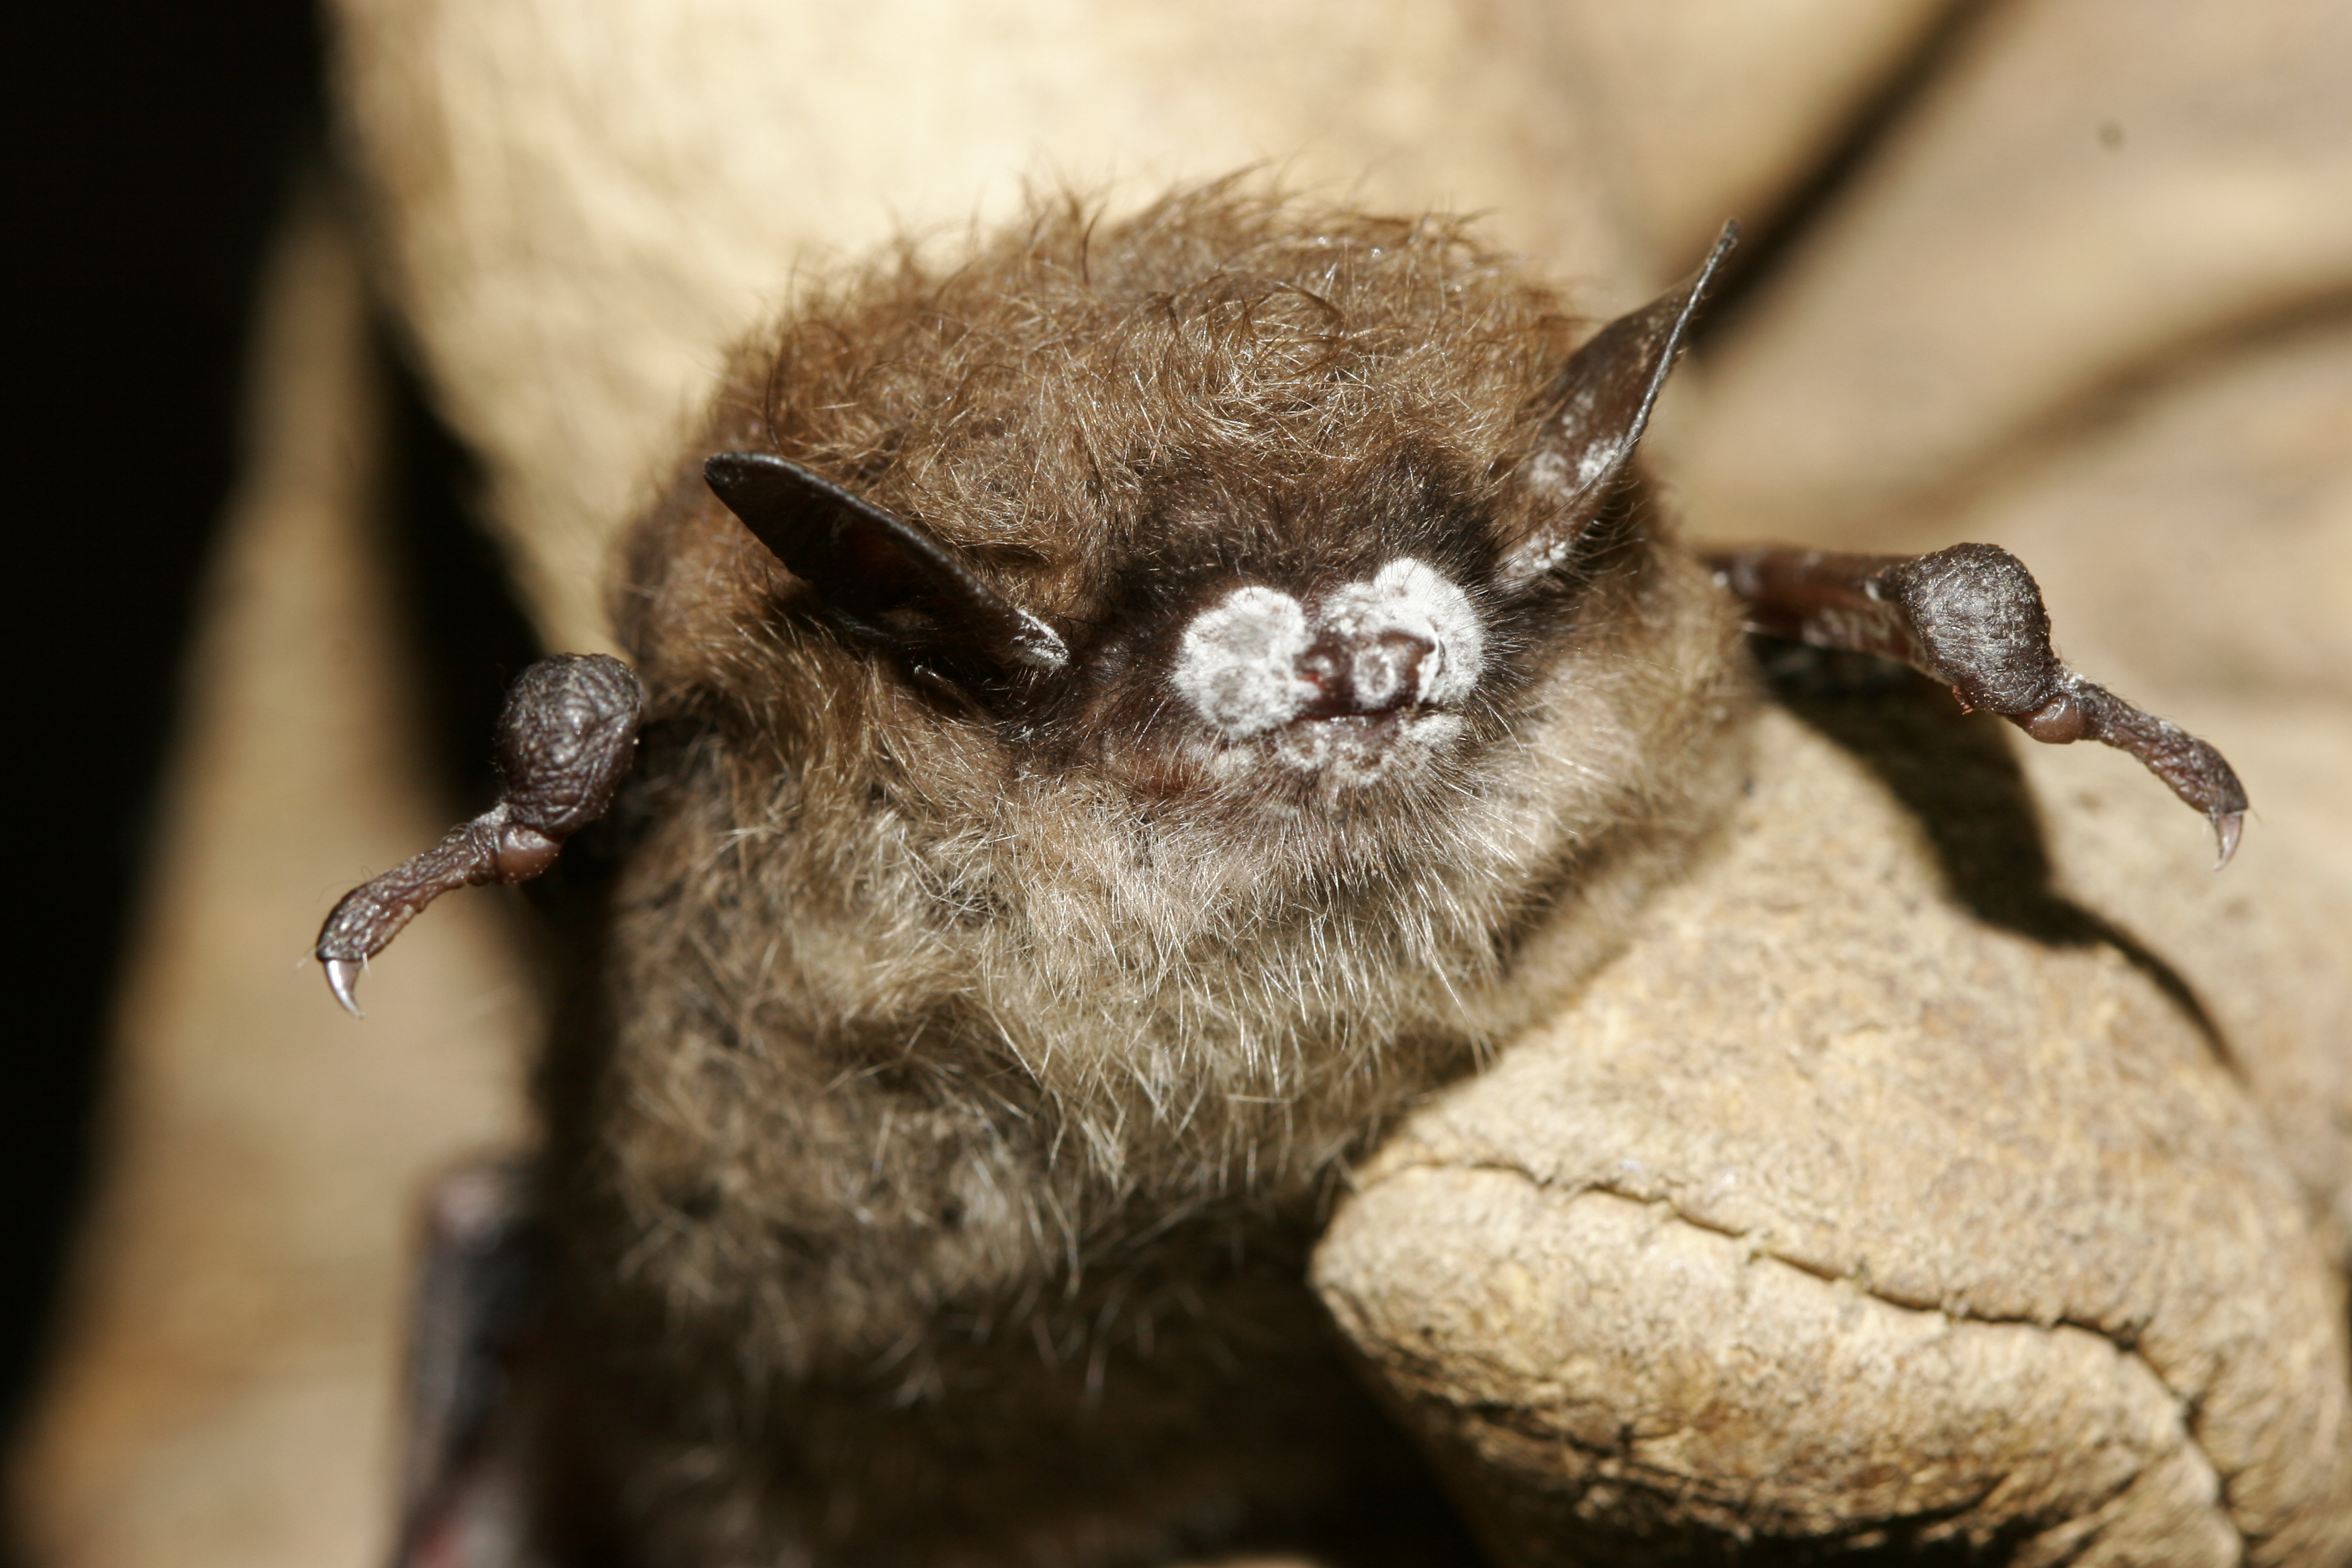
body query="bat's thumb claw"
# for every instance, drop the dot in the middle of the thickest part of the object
(342, 974)
(2227, 825)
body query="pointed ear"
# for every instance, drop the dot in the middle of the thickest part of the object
(883, 574)
(1602, 401)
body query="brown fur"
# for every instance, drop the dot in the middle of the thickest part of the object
(975, 1062)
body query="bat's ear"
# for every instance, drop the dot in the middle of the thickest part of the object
(1601, 403)
(882, 576)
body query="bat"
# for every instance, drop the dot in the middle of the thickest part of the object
(1108, 727)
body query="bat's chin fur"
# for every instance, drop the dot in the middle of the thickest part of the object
(1330, 757)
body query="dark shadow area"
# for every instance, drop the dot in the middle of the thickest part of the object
(154, 143)
(1897, 1548)
(164, 144)
(1958, 774)
(464, 633)
(1767, 237)
(1667, 1538)
(2134, 388)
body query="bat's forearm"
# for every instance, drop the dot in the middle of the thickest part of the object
(1972, 616)
(566, 739)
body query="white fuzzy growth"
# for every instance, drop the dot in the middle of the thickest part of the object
(1350, 757)
(1547, 471)
(1239, 663)
(1238, 666)
(1408, 599)
(1597, 462)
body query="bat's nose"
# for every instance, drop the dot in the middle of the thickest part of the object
(1375, 672)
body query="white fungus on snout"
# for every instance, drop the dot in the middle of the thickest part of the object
(1238, 664)
(1406, 599)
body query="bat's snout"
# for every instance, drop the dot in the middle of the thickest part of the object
(1259, 661)
(1367, 672)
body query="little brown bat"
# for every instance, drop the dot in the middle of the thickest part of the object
(1123, 717)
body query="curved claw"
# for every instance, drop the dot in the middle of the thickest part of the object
(2227, 825)
(567, 735)
(342, 974)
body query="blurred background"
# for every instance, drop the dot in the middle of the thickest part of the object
(162, 149)
(156, 146)
(334, 410)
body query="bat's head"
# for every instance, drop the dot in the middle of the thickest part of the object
(1274, 528)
